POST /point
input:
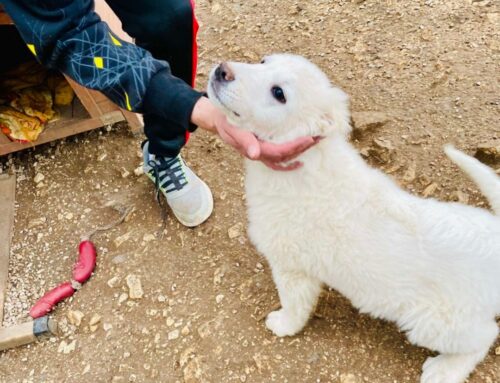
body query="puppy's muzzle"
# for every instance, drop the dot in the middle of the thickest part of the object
(223, 73)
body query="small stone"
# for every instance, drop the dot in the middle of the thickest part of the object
(135, 287)
(124, 172)
(216, 8)
(119, 259)
(62, 346)
(39, 177)
(113, 282)
(218, 275)
(139, 171)
(93, 328)
(185, 331)
(122, 238)
(148, 237)
(107, 326)
(219, 298)
(86, 369)
(122, 298)
(95, 319)
(429, 190)
(170, 322)
(235, 231)
(383, 143)
(66, 348)
(223, 195)
(497, 350)
(161, 298)
(102, 157)
(172, 335)
(410, 174)
(348, 378)
(36, 222)
(68, 216)
(75, 317)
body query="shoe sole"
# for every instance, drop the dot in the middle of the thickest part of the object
(203, 214)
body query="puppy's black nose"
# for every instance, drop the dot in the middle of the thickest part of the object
(224, 73)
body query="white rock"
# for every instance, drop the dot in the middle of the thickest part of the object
(429, 190)
(139, 171)
(39, 177)
(348, 378)
(235, 231)
(75, 317)
(96, 318)
(124, 172)
(219, 298)
(148, 237)
(135, 287)
(36, 222)
(122, 298)
(107, 326)
(66, 348)
(113, 282)
(172, 335)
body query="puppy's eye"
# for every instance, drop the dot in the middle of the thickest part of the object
(278, 94)
(263, 61)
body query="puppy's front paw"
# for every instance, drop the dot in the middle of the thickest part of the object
(282, 324)
(444, 369)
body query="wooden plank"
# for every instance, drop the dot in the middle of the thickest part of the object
(27, 332)
(7, 200)
(5, 18)
(61, 129)
(86, 97)
(16, 335)
(106, 106)
(134, 122)
(4, 139)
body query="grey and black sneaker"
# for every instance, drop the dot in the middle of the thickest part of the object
(187, 195)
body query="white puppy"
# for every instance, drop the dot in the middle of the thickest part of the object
(431, 267)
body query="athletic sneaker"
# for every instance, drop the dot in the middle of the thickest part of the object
(187, 195)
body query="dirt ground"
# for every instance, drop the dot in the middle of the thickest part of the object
(431, 67)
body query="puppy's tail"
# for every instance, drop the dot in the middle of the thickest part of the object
(484, 177)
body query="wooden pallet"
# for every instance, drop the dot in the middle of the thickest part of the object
(99, 111)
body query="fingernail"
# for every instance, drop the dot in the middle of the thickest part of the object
(252, 152)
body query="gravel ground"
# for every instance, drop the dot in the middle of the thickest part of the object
(430, 71)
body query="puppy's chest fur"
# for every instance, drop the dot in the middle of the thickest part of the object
(312, 221)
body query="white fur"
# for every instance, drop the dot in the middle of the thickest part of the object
(431, 267)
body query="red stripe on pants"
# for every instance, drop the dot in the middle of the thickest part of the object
(194, 53)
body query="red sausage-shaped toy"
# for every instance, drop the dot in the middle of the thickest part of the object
(46, 303)
(82, 270)
(86, 262)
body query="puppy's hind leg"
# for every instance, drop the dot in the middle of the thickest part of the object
(298, 295)
(455, 365)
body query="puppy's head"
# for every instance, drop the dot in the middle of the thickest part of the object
(282, 98)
